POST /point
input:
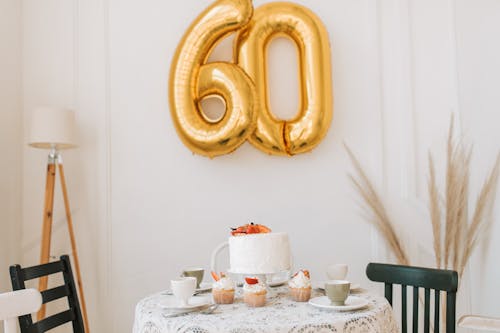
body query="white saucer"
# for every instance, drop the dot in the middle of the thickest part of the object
(321, 285)
(204, 287)
(194, 303)
(273, 283)
(351, 303)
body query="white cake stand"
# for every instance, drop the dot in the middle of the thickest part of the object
(269, 279)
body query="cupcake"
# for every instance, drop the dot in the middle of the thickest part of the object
(300, 286)
(222, 289)
(254, 292)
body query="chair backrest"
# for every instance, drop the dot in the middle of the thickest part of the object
(18, 303)
(67, 290)
(438, 280)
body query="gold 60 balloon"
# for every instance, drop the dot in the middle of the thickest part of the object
(243, 84)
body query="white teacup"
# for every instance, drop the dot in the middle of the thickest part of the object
(183, 289)
(337, 271)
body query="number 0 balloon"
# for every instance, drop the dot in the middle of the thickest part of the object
(243, 84)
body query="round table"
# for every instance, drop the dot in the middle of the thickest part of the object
(281, 314)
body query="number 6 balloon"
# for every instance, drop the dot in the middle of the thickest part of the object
(191, 80)
(243, 85)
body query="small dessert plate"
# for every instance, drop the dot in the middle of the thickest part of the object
(351, 303)
(355, 287)
(321, 285)
(194, 303)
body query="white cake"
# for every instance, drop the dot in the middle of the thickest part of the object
(259, 253)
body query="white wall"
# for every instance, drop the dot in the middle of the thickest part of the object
(10, 137)
(140, 198)
(171, 198)
(63, 65)
(478, 71)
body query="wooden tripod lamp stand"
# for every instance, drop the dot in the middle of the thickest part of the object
(54, 129)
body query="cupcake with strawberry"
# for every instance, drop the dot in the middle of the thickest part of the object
(300, 286)
(222, 289)
(254, 292)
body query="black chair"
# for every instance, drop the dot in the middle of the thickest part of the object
(18, 277)
(418, 277)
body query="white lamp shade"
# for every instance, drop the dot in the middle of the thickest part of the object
(52, 128)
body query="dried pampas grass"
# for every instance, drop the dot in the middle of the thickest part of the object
(482, 216)
(454, 237)
(435, 211)
(378, 216)
(457, 191)
(461, 236)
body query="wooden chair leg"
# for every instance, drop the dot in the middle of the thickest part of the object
(47, 226)
(73, 246)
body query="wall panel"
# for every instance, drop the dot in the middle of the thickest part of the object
(10, 137)
(478, 27)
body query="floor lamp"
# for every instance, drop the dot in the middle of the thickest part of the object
(54, 129)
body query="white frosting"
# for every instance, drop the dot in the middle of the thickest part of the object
(254, 288)
(259, 253)
(300, 281)
(224, 283)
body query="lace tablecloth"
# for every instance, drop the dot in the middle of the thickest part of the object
(281, 314)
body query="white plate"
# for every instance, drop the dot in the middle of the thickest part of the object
(321, 285)
(204, 286)
(194, 303)
(351, 303)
